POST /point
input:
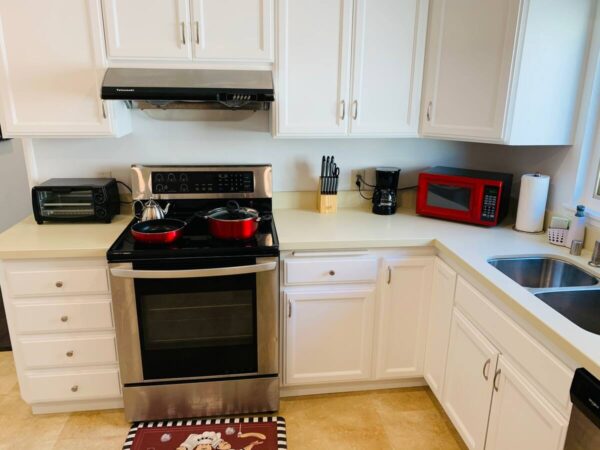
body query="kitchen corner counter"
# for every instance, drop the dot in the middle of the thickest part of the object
(469, 247)
(28, 240)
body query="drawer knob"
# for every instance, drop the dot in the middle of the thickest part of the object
(332, 272)
(59, 284)
(70, 353)
(64, 318)
(74, 388)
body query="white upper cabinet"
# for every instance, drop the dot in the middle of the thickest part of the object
(313, 67)
(505, 71)
(233, 29)
(520, 418)
(405, 293)
(336, 78)
(389, 46)
(51, 69)
(199, 30)
(147, 29)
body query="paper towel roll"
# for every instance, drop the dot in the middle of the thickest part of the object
(532, 202)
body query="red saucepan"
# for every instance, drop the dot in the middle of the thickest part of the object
(159, 231)
(233, 222)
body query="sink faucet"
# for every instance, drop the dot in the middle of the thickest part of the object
(595, 261)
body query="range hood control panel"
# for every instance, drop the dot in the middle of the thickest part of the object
(202, 182)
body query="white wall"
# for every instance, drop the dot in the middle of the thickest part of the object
(295, 162)
(15, 197)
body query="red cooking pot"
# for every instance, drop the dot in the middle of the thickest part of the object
(159, 231)
(233, 222)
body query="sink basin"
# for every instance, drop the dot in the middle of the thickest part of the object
(538, 272)
(580, 307)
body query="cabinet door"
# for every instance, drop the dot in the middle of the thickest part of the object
(389, 47)
(51, 68)
(440, 320)
(468, 68)
(469, 379)
(147, 29)
(403, 311)
(312, 68)
(234, 30)
(328, 335)
(520, 418)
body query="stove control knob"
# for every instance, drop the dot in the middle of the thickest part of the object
(159, 188)
(159, 178)
(183, 178)
(171, 177)
(184, 188)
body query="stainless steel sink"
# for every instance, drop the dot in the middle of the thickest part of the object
(542, 272)
(582, 307)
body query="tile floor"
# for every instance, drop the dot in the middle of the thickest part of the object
(392, 419)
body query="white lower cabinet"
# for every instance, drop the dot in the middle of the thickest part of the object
(328, 335)
(440, 320)
(59, 315)
(470, 370)
(402, 322)
(520, 418)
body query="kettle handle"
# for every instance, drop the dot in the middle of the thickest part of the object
(139, 217)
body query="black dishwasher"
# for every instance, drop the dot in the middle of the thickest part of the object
(584, 427)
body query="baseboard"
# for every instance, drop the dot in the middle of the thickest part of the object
(62, 407)
(334, 388)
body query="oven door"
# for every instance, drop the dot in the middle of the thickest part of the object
(451, 198)
(198, 318)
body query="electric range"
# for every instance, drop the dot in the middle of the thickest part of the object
(197, 320)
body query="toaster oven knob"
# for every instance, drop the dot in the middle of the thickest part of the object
(101, 213)
(99, 199)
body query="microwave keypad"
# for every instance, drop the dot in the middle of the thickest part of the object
(490, 199)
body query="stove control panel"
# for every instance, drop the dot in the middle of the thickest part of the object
(202, 182)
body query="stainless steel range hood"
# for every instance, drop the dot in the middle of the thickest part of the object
(190, 88)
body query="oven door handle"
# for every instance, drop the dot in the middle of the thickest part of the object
(194, 273)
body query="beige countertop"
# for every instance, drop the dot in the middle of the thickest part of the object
(28, 240)
(467, 246)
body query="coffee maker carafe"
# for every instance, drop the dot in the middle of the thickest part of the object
(385, 192)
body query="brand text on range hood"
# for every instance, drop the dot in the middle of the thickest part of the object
(190, 88)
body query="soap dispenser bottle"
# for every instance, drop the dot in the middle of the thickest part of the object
(577, 228)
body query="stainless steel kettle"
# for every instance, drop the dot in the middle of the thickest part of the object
(151, 210)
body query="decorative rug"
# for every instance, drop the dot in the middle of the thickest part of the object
(244, 433)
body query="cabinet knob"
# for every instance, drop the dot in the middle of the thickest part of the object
(332, 272)
(74, 388)
(70, 353)
(64, 318)
(59, 284)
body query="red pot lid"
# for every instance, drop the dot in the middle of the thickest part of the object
(233, 212)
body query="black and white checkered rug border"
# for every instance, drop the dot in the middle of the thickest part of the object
(281, 433)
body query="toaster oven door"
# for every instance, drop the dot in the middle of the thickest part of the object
(57, 204)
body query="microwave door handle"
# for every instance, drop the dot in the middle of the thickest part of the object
(194, 273)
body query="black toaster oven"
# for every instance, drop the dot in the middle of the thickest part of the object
(76, 200)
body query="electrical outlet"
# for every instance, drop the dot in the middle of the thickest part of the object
(354, 174)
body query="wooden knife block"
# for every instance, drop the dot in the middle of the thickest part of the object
(326, 203)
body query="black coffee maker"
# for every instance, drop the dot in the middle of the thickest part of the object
(385, 192)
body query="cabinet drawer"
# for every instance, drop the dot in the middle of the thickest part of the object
(72, 386)
(43, 318)
(330, 270)
(30, 283)
(89, 351)
(542, 367)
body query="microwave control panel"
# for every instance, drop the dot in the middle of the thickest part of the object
(202, 182)
(489, 203)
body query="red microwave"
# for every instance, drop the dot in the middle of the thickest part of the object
(463, 195)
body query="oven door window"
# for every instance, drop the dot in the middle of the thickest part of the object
(67, 204)
(455, 198)
(195, 327)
